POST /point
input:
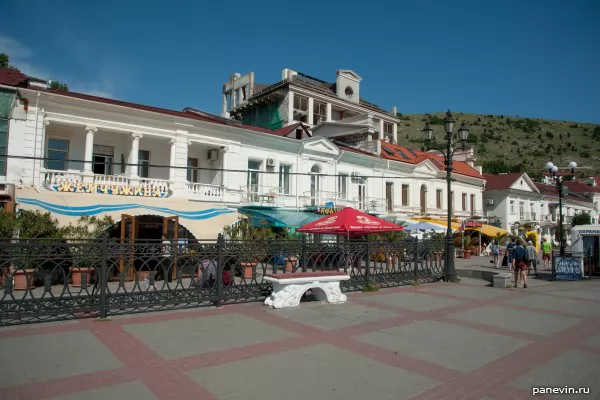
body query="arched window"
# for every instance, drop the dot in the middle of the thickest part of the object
(349, 92)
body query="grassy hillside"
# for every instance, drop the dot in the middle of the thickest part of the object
(525, 143)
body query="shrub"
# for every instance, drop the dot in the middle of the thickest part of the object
(435, 120)
(549, 135)
(574, 126)
(514, 143)
(585, 154)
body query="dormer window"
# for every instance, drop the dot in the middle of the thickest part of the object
(349, 92)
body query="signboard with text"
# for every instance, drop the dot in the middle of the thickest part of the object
(156, 191)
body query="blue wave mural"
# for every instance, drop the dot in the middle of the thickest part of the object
(96, 209)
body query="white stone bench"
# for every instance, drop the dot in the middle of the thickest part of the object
(502, 280)
(288, 288)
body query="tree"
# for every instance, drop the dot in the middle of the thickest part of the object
(5, 61)
(582, 218)
(58, 85)
(496, 167)
(596, 133)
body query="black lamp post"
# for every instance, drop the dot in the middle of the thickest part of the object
(463, 134)
(553, 169)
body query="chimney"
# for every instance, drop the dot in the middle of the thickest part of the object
(394, 111)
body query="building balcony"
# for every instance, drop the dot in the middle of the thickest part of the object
(320, 198)
(528, 217)
(477, 214)
(205, 192)
(260, 195)
(371, 205)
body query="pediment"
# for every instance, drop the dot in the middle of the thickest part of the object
(525, 184)
(323, 146)
(350, 74)
(427, 167)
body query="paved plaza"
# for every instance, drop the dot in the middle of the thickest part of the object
(434, 341)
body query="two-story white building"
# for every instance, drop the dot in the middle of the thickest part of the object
(523, 205)
(74, 154)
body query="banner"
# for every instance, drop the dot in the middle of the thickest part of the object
(117, 190)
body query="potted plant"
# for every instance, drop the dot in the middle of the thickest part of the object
(467, 245)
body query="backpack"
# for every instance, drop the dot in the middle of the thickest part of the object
(521, 254)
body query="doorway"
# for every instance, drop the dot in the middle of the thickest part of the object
(423, 200)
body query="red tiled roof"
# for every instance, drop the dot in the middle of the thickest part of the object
(580, 187)
(12, 77)
(501, 181)
(286, 130)
(413, 156)
(551, 190)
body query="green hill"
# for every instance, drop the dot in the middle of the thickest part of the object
(504, 144)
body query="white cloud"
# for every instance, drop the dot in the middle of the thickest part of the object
(21, 57)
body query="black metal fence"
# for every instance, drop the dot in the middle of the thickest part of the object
(54, 279)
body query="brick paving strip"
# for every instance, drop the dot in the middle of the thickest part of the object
(168, 377)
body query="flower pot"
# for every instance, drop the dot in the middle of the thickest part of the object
(467, 254)
(23, 279)
(289, 263)
(247, 269)
(76, 275)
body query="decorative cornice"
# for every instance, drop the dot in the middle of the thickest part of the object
(136, 135)
(91, 128)
(172, 141)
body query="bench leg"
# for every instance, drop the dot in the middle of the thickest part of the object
(285, 296)
(333, 293)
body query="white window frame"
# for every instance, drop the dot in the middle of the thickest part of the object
(66, 152)
(144, 164)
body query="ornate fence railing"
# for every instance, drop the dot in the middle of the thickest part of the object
(56, 279)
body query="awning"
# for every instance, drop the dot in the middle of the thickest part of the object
(443, 224)
(487, 230)
(276, 218)
(204, 220)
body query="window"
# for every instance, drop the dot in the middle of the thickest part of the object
(388, 151)
(144, 163)
(389, 196)
(58, 151)
(284, 179)
(522, 209)
(473, 203)
(464, 202)
(192, 171)
(3, 145)
(253, 179)
(402, 154)
(405, 195)
(319, 113)
(343, 186)
(411, 151)
(349, 92)
(388, 131)
(104, 157)
(513, 209)
(300, 108)
(438, 199)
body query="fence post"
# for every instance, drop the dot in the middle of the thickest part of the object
(103, 278)
(416, 267)
(220, 269)
(368, 261)
(553, 255)
(303, 254)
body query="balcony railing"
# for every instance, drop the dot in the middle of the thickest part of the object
(205, 191)
(263, 195)
(373, 205)
(320, 198)
(476, 213)
(528, 216)
(53, 177)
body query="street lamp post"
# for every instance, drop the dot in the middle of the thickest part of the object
(553, 170)
(463, 133)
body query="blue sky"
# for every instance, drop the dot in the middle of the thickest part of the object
(535, 58)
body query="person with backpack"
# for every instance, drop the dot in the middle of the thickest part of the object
(509, 252)
(532, 256)
(521, 260)
(495, 250)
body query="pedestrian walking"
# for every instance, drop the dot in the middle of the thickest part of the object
(509, 252)
(520, 259)
(546, 253)
(532, 256)
(495, 250)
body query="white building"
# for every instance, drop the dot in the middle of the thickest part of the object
(85, 155)
(523, 205)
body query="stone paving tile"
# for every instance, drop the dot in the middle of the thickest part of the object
(125, 391)
(37, 358)
(517, 320)
(447, 345)
(468, 292)
(571, 368)
(333, 316)
(413, 301)
(582, 294)
(314, 372)
(553, 303)
(594, 341)
(187, 337)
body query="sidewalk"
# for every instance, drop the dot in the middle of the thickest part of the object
(434, 341)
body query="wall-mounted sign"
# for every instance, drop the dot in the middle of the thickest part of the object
(474, 224)
(592, 232)
(327, 209)
(119, 190)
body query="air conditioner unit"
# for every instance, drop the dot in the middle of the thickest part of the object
(213, 155)
(489, 202)
(270, 162)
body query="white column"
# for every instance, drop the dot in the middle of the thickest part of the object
(135, 153)
(89, 148)
(224, 103)
(173, 144)
(395, 132)
(311, 110)
(290, 118)
(381, 131)
(224, 166)
(328, 108)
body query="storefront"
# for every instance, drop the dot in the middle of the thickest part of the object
(585, 240)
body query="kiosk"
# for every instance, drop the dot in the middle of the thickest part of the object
(585, 240)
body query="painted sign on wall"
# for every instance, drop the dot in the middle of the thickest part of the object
(119, 190)
(473, 224)
(327, 209)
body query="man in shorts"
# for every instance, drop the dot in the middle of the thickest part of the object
(532, 256)
(520, 260)
(546, 253)
(509, 253)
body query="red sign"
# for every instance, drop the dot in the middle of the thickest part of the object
(473, 224)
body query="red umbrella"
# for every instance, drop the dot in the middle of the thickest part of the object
(349, 221)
